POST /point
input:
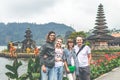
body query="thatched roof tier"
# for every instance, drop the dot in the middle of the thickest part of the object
(100, 20)
(28, 36)
(100, 23)
(100, 17)
(100, 27)
(101, 14)
(100, 5)
(100, 37)
(100, 31)
(115, 41)
(28, 31)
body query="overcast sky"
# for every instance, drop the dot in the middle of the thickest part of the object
(80, 14)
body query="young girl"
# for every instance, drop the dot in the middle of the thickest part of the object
(58, 60)
(70, 56)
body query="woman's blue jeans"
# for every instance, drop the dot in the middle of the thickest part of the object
(58, 73)
(48, 75)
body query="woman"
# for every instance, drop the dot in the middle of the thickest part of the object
(47, 57)
(70, 57)
(58, 59)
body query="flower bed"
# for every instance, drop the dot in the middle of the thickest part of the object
(104, 65)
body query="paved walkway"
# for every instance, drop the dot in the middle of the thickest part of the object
(113, 75)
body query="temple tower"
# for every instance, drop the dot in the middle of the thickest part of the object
(28, 43)
(100, 36)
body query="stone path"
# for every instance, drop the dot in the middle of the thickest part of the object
(113, 75)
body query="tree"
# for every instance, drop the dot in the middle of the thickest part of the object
(75, 34)
(67, 34)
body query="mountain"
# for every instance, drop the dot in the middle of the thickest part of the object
(16, 31)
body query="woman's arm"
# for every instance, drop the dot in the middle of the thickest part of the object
(42, 57)
(66, 66)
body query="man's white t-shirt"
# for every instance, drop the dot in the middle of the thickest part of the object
(83, 55)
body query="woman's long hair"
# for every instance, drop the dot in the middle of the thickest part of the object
(70, 41)
(47, 38)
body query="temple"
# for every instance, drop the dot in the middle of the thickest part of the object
(100, 37)
(28, 43)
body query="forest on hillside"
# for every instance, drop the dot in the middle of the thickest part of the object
(16, 31)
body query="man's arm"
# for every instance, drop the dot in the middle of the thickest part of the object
(89, 58)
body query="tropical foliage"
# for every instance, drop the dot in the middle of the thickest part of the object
(75, 34)
(32, 70)
(13, 74)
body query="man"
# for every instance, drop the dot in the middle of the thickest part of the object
(84, 58)
(47, 57)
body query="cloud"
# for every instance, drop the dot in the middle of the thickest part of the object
(29, 7)
(80, 14)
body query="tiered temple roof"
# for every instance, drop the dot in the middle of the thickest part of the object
(100, 32)
(28, 42)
